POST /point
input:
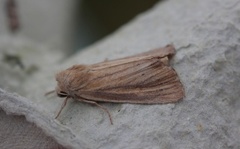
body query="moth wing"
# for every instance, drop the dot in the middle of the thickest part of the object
(135, 80)
(164, 53)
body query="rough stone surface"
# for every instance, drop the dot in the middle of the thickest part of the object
(17, 133)
(206, 35)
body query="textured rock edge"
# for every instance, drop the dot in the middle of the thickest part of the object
(14, 104)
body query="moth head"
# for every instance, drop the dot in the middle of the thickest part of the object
(64, 79)
(69, 80)
(62, 94)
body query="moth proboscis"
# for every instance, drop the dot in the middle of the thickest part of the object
(145, 78)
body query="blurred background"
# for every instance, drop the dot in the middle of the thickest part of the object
(67, 24)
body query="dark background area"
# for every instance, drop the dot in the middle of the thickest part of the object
(96, 19)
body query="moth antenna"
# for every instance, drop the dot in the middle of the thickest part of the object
(103, 108)
(48, 93)
(63, 105)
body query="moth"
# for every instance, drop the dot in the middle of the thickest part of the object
(145, 78)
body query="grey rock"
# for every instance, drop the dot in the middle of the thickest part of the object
(206, 36)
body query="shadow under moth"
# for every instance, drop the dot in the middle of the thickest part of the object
(145, 78)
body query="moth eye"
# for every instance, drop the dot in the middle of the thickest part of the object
(62, 94)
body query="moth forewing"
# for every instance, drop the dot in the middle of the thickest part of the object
(146, 85)
(142, 79)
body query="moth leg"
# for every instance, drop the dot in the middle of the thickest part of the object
(103, 108)
(63, 105)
